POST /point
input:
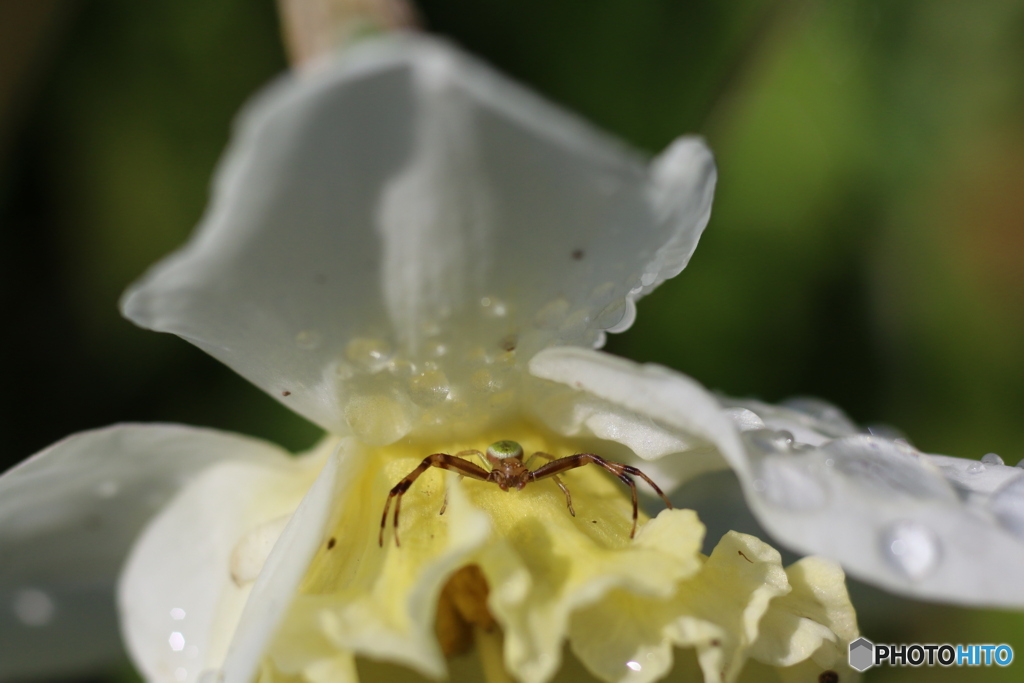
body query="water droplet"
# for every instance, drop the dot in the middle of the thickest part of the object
(493, 307)
(367, 352)
(176, 641)
(1021, 463)
(884, 431)
(992, 459)
(107, 489)
(435, 348)
(33, 607)
(635, 666)
(911, 548)
(1007, 504)
(551, 314)
(830, 462)
(180, 674)
(428, 388)
(378, 419)
(308, 340)
(486, 381)
(975, 468)
(769, 440)
(576, 321)
(177, 614)
(745, 420)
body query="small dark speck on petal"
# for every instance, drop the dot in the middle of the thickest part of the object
(286, 393)
(577, 254)
(715, 643)
(594, 521)
(331, 542)
(828, 676)
(745, 557)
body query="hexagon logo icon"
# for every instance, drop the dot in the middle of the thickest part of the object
(862, 654)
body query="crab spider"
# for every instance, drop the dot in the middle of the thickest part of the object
(509, 472)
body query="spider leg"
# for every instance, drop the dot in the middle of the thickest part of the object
(558, 480)
(441, 460)
(460, 454)
(621, 471)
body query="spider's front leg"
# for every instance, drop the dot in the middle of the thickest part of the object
(623, 472)
(441, 460)
(549, 457)
(460, 454)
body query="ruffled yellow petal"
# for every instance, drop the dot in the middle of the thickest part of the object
(514, 572)
(814, 623)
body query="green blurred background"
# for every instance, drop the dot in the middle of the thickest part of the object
(866, 246)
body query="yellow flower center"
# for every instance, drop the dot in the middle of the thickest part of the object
(516, 574)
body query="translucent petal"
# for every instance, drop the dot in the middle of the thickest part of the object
(934, 527)
(671, 425)
(393, 232)
(287, 564)
(189, 574)
(914, 524)
(68, 516)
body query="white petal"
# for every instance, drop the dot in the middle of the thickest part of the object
(184, 585)
(68, 516)
(286, 566)
(663, 418)
(406, 204)
(933, 527)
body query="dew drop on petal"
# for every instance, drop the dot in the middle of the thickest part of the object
(769, 440)
(177, 614)
(378, 419)
(33, 607)
(308, 340)
(635, 666)
(911, 548)
(367, 352)
(884, 431)
(576, 322)
(992, 459)
(493, 307)
(485, 381)
(428, 388)
(975, 468)
(176, 641)
(745, 420)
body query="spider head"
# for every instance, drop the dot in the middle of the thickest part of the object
(500, 451)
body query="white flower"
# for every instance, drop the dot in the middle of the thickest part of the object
(419, 256)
